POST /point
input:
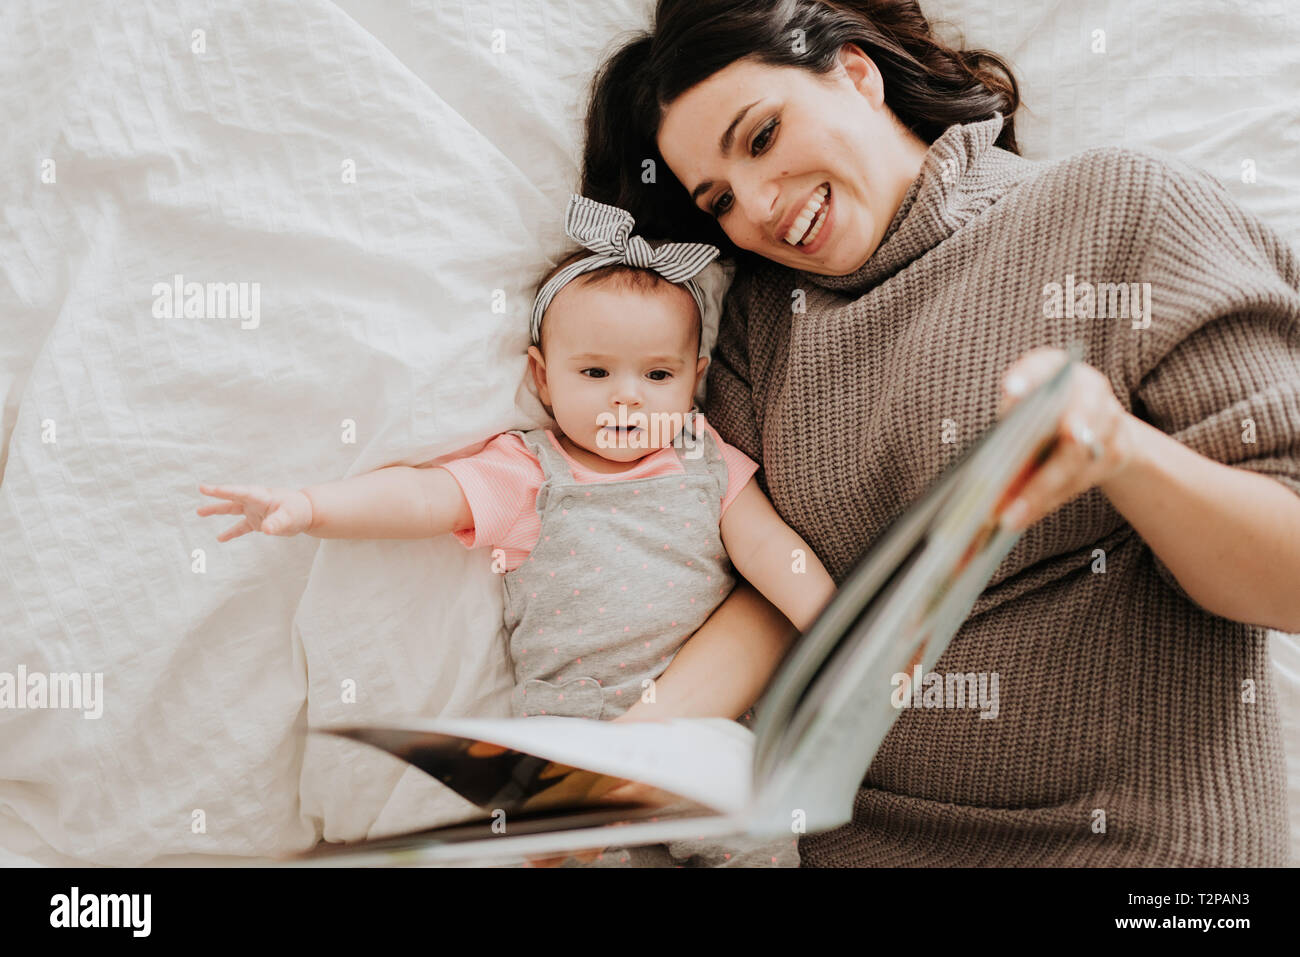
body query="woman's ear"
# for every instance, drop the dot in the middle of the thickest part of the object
(863, 73)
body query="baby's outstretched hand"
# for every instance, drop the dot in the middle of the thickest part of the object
(271, 511)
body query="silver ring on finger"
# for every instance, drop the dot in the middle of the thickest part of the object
(1085, 437)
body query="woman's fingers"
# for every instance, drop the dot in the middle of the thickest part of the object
(1084, 454)
(1030, 370)
(583, 857)
(632, 791)
(482, 749)
(1055, 483)
(640, 793)
(1083, 437)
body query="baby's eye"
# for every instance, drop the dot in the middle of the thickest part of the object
(664, 372)
(594, 369)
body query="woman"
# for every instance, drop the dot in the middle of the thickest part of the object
(903, 276)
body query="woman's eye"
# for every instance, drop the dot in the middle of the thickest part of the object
(761, 142)
(763, 138)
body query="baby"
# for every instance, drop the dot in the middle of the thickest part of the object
(618, 534)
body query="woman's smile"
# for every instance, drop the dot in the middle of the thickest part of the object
(811, 228)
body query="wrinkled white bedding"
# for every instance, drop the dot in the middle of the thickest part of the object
(228, 165)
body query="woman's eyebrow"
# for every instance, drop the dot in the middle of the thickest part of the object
(724, 147)
(724, 144)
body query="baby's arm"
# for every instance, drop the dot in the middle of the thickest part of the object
(394, 502)
(723, 668)
(725, 665)
(762, 547)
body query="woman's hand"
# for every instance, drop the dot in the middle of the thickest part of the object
(1094, 436)
(632, 791)
(271, 511)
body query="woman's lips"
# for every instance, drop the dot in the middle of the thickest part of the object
(828, 223)
(806, 220)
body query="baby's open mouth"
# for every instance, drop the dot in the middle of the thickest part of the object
(809, 222)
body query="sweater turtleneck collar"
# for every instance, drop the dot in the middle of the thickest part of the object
(962, 174)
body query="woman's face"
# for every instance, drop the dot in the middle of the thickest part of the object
(817, 158)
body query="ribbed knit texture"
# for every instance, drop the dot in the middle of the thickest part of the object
(1118, 694)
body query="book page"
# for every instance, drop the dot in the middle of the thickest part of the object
(705, 760)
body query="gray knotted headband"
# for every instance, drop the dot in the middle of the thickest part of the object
(607, 232)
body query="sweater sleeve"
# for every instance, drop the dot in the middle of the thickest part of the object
(729, 398)
(1219, 366)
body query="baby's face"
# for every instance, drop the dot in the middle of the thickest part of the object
(608, 348)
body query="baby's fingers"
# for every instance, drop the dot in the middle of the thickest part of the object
(257, 494)
(234, 531)
(279, 522)
(226, 508)
(284, 522)
(225, 491)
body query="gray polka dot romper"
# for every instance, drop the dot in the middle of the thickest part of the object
(622, 574)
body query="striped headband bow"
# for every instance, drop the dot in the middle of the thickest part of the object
(607, 232)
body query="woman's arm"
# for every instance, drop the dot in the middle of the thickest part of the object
(1206, 466)
(1229, 536)
(724, 667)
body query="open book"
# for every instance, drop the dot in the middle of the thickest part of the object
(541, 780)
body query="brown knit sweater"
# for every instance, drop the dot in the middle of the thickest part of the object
(1123, 736)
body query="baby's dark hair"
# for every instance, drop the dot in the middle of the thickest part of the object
(616, 274)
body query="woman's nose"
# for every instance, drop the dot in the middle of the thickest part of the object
(756, 197)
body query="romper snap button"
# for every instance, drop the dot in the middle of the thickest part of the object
(701, 496)
(568, 502)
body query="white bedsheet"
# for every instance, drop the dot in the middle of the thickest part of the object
(377, 307)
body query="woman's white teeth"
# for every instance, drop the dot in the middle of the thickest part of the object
(817, 226)
(816, 206)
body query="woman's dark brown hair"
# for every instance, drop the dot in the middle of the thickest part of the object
(928, 85)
